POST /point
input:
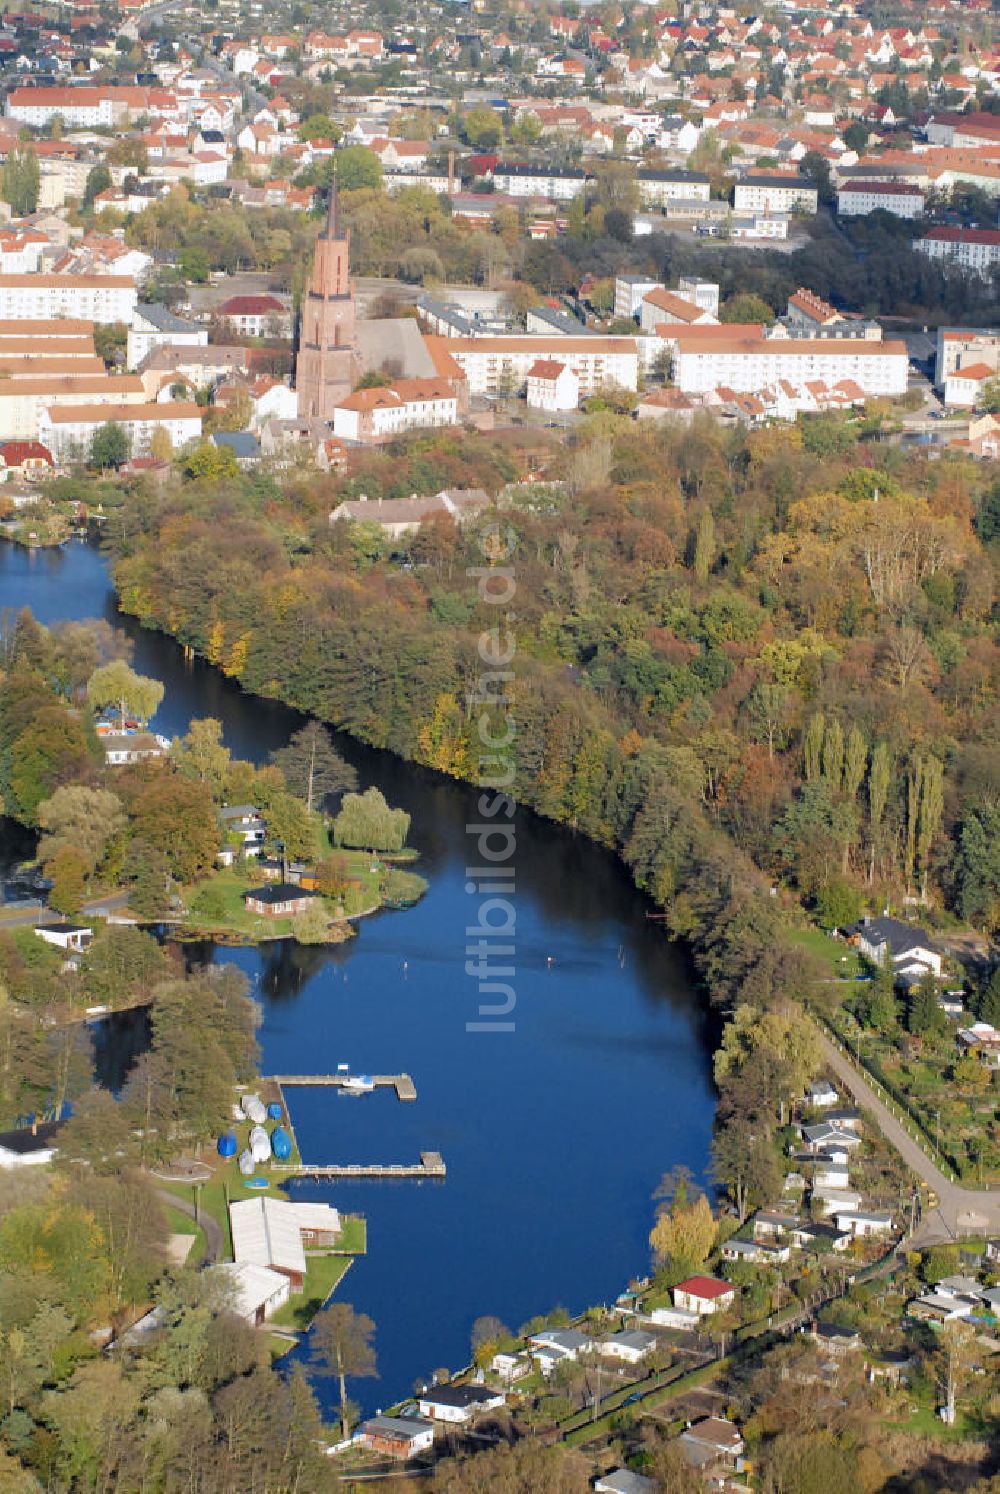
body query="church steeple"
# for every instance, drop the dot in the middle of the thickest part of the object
(327, 364)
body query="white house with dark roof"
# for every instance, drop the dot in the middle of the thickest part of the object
(458, 1403)
(887, 941)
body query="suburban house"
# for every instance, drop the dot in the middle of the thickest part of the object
(69, 936)
(624, 1481)
(399, 516)
(274, 1233)
(257, 1291)
(631, 1346)
(713, 1445)
(121, 748)
(397, 1436)
(982, 1038)
(245, 822)
(704, 1295)
(887, 941)
(458, 1403)
(550, 1346)
(279, 900)
(552, 386)
(863, 1222)
(821, 1093)
(29, 1147)
(510, 1367)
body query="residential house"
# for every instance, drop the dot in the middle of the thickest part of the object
(862, 1222)
(245, 823)
(623, 1481)
(631, 1346)
(279, 900)
(121, 748)
(72, 937)
(704, 1295)
(551, 1346)
(552, 386)
(397, 1436)
(399, 516)
(822, 1094)
(904, 946)
(714, 1445)
(256, 316)
(458, 1403)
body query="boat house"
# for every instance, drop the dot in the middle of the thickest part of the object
(279, 899)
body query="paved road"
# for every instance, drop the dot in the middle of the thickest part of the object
(213, 1234)
(961, 1210)
(34, 913)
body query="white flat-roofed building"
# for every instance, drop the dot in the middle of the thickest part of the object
(93, 298)
(68, 430)
(499, 365)
(975, 249)
(775, 194)
(371, 416)
(745, 361)
(857, 199)
(630, 291)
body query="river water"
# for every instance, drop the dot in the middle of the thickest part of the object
(554, 1135)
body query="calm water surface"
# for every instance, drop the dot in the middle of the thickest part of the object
(554, 1135)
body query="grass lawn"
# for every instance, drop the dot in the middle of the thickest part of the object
(925, 1422)
(323, 1272)
(181, 1224)
(841, 958)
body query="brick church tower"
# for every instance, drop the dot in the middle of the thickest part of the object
(327, 367)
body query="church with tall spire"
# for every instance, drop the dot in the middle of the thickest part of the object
(328, 365)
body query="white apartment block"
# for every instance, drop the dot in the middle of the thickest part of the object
(858, 199)
(78, 108)
(538, 181)
(91, 298)
(659, 187)
(747, 362)
(704, 293)
(69, 430)
(775, 194)
(630, 292)
(974, 249)
(499, 365)
(23, 402)
(371, 416)
(960, 348)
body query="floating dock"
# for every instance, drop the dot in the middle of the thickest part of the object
(431, 1165)
(401, 1083)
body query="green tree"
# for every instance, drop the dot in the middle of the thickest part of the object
(358, 167)
(210, 463)
(341, 1341)
(366, 821)
(118, 684)
(98, 180)
(318, 126)
(20, 183)
(924, 1014)
(747, 308)
(89, 819)
(68, 869)
(200, 754)
(483, 129)
(312, 766)
(110, 447)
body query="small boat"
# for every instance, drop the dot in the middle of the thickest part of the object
(274, 1111)
(256, 1182)
(226, 1145)
(281, 1144)
(253, 1109)
(260, 1145)
(358, 1084)
(247, 1163)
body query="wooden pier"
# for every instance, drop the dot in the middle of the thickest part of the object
(431, 1165)
(401, 1083)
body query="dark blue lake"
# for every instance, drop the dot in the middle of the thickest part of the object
(554, 1135)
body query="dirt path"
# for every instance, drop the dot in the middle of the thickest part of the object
(213, 1234)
